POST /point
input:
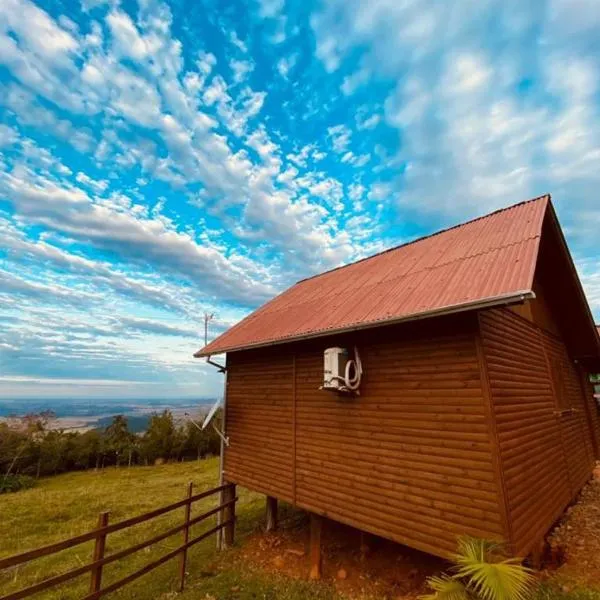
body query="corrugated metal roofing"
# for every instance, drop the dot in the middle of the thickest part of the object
(486, 260)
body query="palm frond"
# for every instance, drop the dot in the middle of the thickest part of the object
(490, 576)
(505, 580)
(446, 588)
(472, 550)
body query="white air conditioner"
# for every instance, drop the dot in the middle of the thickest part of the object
(335, 360)
(341, 373)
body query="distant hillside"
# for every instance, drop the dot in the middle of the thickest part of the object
(135, 423)
(90, 407)
(80, 414)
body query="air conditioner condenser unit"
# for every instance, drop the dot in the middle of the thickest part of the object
(341, 373)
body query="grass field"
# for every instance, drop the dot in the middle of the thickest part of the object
(63, 506)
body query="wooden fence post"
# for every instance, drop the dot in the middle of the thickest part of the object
(228, 515)
(186, 536)
(99, 547)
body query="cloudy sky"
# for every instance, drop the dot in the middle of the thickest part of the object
(159, 160)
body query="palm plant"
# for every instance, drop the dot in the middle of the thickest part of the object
(481, 571)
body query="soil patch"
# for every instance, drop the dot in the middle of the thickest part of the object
(575, 542)
(356, 564)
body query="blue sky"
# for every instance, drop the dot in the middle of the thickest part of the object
(162, 159)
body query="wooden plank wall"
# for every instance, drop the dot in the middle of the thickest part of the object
(529, 437)
(410, 459)
(593, 410)
(576, 431)
(260, 422)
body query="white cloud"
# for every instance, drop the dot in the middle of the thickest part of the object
(286, 64)
(127, 40)
(590, 276)
(15, 285)
(98, 186)
(288, 175)
(69, 381)
(327, 48)
(241, 69)
(30, 111)
(162, 122)
(270, 8)
(8, 135)
(163, 100)
(356, 191)
(237, 42)
(340, 137)
(466, 74)
(111, 226)
(354, 160)
(206, 63)
(479, 126)
(352, 82)
(42, 35)
(135, 98)
(280, 35)
(216, 92)
(366, 122)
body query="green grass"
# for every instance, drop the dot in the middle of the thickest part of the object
(555, 590)
(67, 505)
(64, 506)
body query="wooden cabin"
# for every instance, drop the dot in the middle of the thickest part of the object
(474, 413)
(596, 379)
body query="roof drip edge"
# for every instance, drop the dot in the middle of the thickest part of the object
(491, 302)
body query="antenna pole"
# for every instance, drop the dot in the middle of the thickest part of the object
(207, 317)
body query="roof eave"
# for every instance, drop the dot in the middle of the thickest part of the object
(491, 302)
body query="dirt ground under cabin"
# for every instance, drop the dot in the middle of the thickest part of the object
(357, 565)
(364, 566)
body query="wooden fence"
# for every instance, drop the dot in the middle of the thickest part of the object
(226, 510)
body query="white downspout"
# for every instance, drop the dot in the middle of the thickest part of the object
(222, 456)
(223, 370)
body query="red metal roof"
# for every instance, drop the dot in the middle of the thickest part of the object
(483, 262)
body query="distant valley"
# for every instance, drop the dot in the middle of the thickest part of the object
(83, 414)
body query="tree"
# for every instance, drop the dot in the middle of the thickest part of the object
(482, 572)
(200, 442)
(12, 446)
(161, 439)
(25, 435)
(118, 440)
(87, 449)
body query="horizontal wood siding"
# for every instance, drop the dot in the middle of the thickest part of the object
(575, 427)
(593, 410)
(529, 437)
(260, 422)
(409, 459)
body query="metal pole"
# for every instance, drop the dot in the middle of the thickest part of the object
(207, 317)
(222, 461)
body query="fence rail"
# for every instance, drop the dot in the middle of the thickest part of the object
(226, 509)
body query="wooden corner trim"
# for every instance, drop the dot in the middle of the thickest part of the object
(494, 444)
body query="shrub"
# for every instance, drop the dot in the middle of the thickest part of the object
(482, 571)
(14, 483)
